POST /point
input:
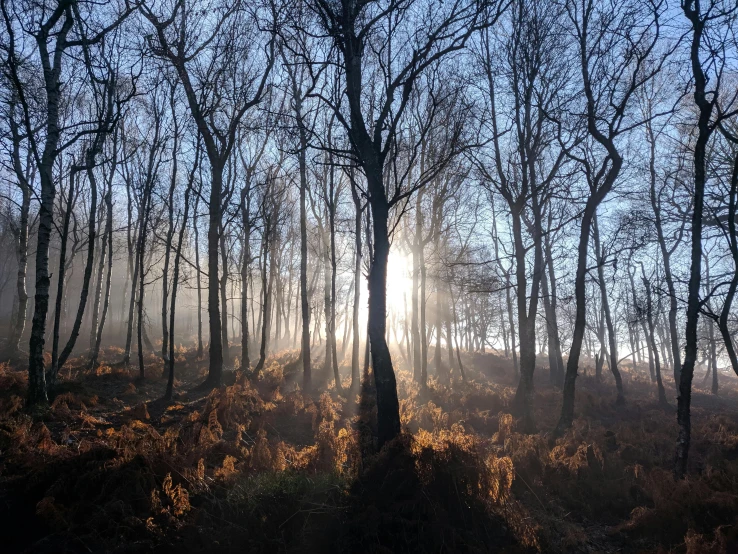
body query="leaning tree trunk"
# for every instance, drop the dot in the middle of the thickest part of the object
(91, 235)
(554, 305)
(62, 271)
(580, 320)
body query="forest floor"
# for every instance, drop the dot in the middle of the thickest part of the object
(261, 467)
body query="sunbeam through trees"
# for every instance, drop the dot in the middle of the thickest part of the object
(369, 276)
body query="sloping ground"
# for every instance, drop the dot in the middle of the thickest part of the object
(260, 467)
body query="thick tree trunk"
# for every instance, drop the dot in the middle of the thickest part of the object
(523, 403)
(388, 406)
(36, 375)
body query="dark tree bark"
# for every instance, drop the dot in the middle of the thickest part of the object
(605, 122)
(355, 377)
(652, 339)
(705, 102)
(175, 277)
(666, 253)
(108, 237)
(170, 232)
(62, 267)
(58, 24)
(198, 271)
(612, 339)
(219, 142)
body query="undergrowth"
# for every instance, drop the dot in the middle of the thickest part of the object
(262, 467)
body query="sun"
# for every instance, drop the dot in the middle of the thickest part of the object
(399, 282)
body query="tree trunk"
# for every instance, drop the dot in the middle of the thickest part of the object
(704, 131)
(106, 297)
(146, 207)
(608, 316)
(267, 288)
(652, 341)
(91, 235)
(572, 364)
(388, 406)
(62, 270)
(224, 296)
(355, 377)
(215, 366)
(22, 256)
(175, 282)
(245, 264)
(198, 271)
(666, 256)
